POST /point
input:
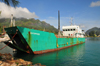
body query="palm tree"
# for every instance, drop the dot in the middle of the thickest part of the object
(9, 2)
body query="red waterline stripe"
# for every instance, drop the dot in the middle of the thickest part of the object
(51, 50)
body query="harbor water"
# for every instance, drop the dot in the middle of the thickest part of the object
(86, 54)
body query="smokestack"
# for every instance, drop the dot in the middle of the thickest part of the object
(58, 20)
(59, 24)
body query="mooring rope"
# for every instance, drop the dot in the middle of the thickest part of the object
(9, 42)
(3, 34)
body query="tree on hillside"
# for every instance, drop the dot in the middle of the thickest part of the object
(9, 2)
(91, 33)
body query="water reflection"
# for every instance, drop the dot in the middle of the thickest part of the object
(69, 56)
(7, 49)
(87, 54)
(94, 39)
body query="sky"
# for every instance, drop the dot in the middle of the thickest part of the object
(85, 13)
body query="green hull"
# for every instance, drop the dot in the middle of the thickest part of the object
(38, 42)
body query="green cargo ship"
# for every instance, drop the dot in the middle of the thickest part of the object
(38, 42)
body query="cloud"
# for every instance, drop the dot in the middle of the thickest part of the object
(44, 20)
(94, 4)
(54, 21)
(65, 17)
(18, 12)
(82, 26)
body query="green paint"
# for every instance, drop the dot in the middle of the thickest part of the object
(41, 40)
(29, 38)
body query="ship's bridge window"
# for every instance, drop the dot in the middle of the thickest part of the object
(73, 29)
(68, 29)
(64, 29)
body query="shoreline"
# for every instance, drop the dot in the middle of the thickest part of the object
(8, 60)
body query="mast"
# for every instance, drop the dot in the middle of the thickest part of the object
(59, 24)
(12, 21)
(71, 20)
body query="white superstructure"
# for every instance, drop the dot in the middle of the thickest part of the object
(72, 31)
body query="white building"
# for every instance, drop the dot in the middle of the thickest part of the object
(72, 31)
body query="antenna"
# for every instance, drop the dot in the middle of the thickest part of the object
(71, 20)
(74, 22)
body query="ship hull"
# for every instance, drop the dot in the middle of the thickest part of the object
(52, 50)
(38, 42)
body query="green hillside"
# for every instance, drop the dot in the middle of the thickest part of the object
(93, 31)
(29, 23)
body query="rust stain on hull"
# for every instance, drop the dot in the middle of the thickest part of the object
(51, 50)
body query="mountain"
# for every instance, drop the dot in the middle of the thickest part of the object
(29, 23)
(92, 31)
